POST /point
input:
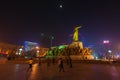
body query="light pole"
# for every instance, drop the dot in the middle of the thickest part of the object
(47, 39)
(51, 38)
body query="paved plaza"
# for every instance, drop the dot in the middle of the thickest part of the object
(79, 71)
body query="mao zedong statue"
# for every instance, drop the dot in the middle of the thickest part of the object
(75, 33)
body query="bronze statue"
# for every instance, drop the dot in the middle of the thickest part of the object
(75, 33)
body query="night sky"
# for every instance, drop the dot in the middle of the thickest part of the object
(25, 20)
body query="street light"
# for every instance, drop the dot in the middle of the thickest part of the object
(48, 37)
(51, 38)
(110, 51)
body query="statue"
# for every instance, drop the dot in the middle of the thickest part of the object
(75, 33)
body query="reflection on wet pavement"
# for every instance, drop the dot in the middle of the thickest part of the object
(43, 72)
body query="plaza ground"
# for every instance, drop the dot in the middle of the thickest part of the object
(79, 71)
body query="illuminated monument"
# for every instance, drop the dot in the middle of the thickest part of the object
(75, 50)
(76, 42)
(79, 52)
(75, 33)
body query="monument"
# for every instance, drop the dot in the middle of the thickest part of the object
(75, 50)
(75, 33)
(79, 52)
(76, 42)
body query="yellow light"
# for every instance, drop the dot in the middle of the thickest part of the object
(37, 47)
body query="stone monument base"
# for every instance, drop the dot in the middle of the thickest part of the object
(77, 44)
(80, 57)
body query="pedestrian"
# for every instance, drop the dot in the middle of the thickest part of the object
(39, 61)
(53, 60)
(30, 62)
(48, 62)
(60, 65)
(67, 60)
(70, 62)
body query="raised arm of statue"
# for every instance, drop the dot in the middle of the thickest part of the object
(76, 28)
(75, 33)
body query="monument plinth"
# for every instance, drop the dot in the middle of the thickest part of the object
(76, 44)
(81, 53)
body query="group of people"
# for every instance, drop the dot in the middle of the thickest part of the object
(60, 63)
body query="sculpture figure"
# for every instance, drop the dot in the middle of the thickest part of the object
(75, 33)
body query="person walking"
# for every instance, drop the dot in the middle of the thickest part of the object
(70, 62)
(60, 65)
(40, 61)
(30, 62)
(48, 62)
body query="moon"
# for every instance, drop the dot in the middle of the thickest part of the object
(61, 6)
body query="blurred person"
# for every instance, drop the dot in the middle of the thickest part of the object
(30, 62)
(70, 62)
(40, 61)
(60, 65)
(48, 62)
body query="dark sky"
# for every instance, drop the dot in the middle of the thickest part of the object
(22, 20)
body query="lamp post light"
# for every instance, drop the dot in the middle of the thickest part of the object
(51, 38)
(47, 37)
(110, 51)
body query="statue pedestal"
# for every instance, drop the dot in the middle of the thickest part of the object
(80, 57)
(87, 57)
(77, 44)
(80, 53)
